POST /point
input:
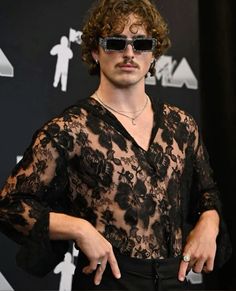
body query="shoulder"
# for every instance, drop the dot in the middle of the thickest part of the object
(76, 109)
(72, 113)
(70, 120)
(176, 115)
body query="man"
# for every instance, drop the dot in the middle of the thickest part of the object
(114, 172)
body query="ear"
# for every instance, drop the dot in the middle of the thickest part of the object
(95, 56)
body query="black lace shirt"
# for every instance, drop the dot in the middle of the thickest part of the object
(86, 164)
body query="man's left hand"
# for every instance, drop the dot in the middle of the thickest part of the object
(200, 249)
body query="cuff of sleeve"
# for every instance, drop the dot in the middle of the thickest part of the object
(224, 246)
(39, 255)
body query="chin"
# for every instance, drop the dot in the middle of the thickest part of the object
(127, 82)
(124, 81)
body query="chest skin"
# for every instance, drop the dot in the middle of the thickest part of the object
(141, 131)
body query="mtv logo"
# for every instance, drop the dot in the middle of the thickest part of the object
(172, 74)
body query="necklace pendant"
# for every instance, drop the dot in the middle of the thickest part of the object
(133, 122)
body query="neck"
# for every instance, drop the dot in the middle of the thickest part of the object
(127, 99)
(131, 115)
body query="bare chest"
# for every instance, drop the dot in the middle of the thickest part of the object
(140, 129)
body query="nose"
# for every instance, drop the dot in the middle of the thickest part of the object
(129, 52)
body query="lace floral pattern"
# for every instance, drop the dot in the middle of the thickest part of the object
(85, 163)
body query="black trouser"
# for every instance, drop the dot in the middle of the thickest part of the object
(136, 275)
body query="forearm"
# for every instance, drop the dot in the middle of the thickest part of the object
(91, 242)
(211, 219)
(66, 227)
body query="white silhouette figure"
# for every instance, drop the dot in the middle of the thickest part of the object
(67, 269)
(64, 54)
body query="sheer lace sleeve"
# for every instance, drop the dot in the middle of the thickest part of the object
(209, 196)
(207, 187)
(35, 187)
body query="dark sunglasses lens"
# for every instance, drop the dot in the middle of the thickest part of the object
(143, 44)
(116, 44)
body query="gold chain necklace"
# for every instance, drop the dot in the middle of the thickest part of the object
(140, 111)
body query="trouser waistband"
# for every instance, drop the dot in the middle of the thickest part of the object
(137, 275)
(166, 267)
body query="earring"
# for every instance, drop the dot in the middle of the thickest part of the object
(96, 61)
(152, 69)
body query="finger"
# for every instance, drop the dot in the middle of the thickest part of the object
(91, 267)
(205, 270)
(100, 270)
(183, 267)
(198, 266)
(86, 270)
(209, 265)
(114, 265)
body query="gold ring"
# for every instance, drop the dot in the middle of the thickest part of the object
(186, 258)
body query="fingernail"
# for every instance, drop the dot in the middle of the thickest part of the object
(97, 283)
(181, 278)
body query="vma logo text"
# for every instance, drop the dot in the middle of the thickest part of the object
(173, 74)
(4, 284)
(6, 68)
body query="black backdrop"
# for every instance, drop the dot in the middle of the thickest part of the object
(28, 31)
(218, 95)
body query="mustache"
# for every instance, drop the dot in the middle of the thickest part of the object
(128, 61)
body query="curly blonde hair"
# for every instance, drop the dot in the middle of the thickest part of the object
(107, 17)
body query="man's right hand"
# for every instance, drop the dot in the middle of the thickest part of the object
(96, 248)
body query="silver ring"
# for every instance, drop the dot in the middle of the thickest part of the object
(186, 258)
(99, 262)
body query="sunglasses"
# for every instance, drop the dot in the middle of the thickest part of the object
(119, 44)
